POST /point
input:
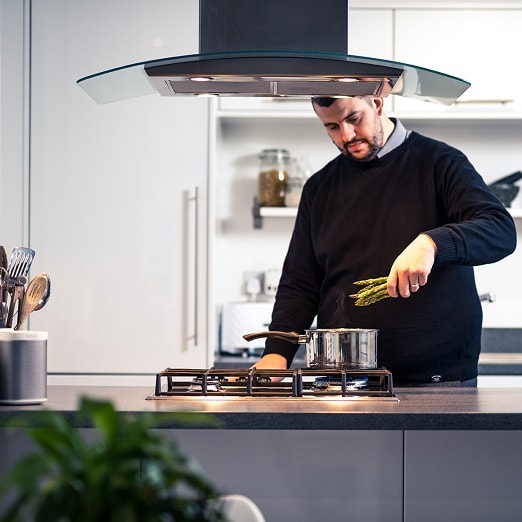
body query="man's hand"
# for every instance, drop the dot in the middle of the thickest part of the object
(412, 267)
(271, 361)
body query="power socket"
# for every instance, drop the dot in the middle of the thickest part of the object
(253, 283)
(271, 282)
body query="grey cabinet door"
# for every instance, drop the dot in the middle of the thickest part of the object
(462, 475)
(117, 192)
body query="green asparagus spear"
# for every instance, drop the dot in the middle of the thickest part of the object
(371, 282)
(373, 290)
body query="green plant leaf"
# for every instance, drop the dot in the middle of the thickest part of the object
(130, 472)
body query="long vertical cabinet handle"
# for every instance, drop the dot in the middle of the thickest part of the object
(195, 199)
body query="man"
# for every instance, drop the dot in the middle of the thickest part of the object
(396, 204)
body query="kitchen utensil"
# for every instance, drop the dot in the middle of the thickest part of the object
(3, 255)
(15, 279)
(19, 264)
(505, 188)
(17, 294)
(508, 180)
(4, 309)
(32, 297)
(4, 312)
(338, 348)
(3, 290)
(47, 294)
(505, 192)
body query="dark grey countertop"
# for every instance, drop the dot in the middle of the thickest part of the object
(413, 409)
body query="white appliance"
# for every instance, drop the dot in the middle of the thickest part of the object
(240, 318)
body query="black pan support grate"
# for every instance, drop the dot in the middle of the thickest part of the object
(252, 382)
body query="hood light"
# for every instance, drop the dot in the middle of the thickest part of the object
(201, 79)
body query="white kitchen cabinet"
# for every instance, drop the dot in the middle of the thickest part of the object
(473, 43)
(476, 44)
(13, 89)
(118, 192)
(363, 27)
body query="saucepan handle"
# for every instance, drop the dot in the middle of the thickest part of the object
(292, 337)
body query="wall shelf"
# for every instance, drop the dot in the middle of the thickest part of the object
(259, 212)
(278, 211)
(421, 117)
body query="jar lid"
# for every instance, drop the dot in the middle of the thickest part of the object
(274, 153)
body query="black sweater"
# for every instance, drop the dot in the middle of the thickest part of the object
(355, 218)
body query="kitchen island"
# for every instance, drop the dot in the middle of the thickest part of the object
(426, 454)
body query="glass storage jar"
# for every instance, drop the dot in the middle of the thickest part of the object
(273, 177)
(294, 187)
(294, 184)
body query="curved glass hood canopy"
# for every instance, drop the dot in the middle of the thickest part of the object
(234, 60)
(272, 74)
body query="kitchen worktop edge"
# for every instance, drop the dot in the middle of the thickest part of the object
(413, 409)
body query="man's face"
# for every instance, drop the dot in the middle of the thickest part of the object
(354, 126)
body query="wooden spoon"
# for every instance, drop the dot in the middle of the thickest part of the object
(47, 294)
(33, 295)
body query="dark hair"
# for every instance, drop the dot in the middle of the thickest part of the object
(327, 101)
(323, 101)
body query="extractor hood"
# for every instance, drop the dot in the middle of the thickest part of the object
(273, 48)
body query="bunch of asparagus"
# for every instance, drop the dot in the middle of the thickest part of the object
(373, 290)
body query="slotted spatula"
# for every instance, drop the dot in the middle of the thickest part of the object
(33, 295)
(19, 265)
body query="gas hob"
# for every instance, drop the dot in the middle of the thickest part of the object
(292, 383)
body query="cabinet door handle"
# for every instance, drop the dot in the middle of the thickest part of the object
(486, 101)
(195, 200)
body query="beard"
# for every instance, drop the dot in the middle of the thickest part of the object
(374, 144)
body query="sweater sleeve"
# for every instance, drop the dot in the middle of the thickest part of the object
(479, 229)
(298, 291)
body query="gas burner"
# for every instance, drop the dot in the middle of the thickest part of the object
(213, 384)
(335, 383)
(251, 382)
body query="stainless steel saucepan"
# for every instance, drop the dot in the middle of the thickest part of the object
(338, 348)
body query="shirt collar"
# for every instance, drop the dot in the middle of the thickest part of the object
(397, 137)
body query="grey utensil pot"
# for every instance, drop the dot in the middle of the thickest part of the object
(23, 367)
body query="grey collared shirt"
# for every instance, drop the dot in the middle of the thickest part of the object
(398, 136)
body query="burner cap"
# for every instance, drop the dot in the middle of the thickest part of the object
(197, 384)
(331, 382)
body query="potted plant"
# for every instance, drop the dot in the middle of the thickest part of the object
(128, 473)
